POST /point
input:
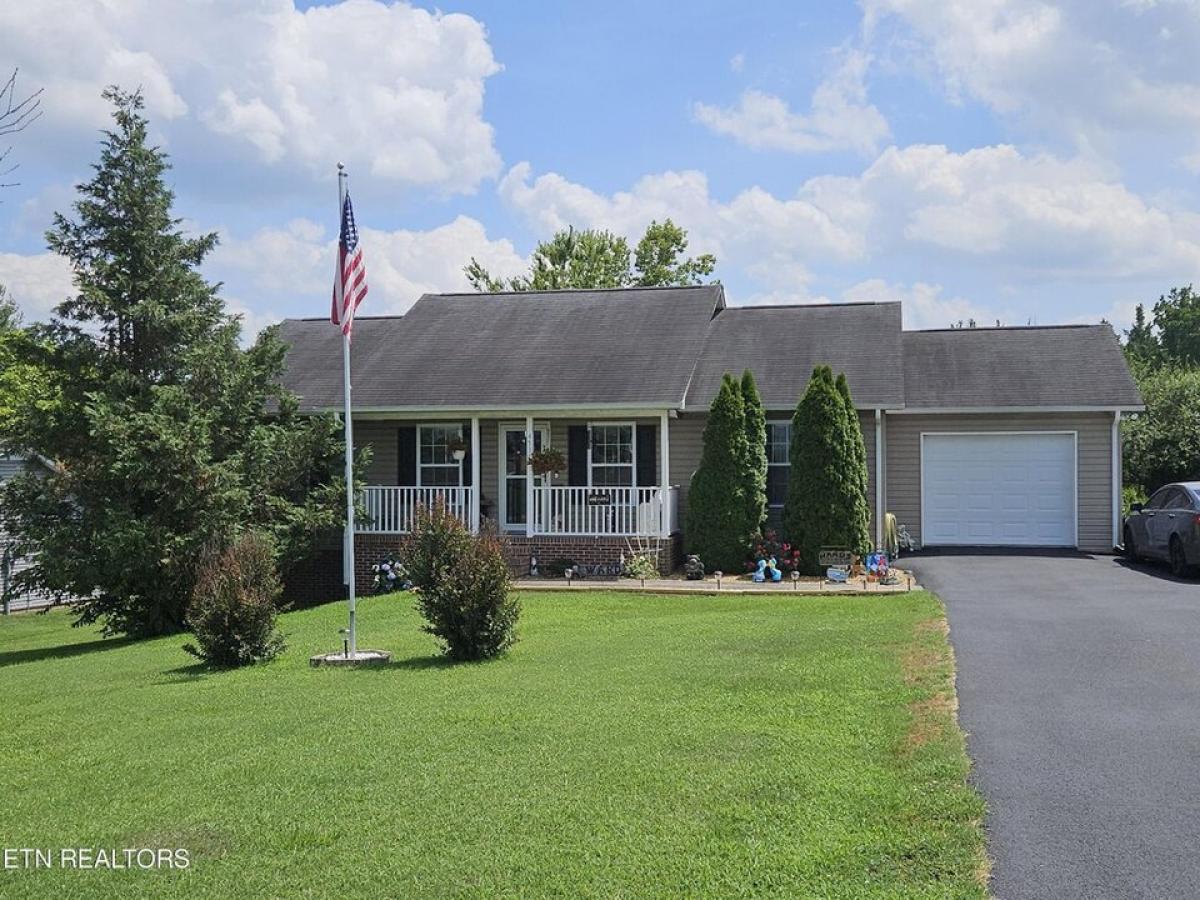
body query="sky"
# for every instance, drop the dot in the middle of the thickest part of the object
(1019, 161)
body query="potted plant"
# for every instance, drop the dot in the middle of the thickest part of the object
(547, 461)
(457, 448)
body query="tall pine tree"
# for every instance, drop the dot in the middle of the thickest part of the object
(717, 527)
(756, 453)
(860, 541)
(821, 508)
(162, 431)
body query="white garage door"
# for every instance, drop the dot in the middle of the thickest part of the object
(998, 489)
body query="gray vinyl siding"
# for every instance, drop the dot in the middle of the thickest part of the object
(381, 438)
(687, 445)
(11, 466)
(1094, 463)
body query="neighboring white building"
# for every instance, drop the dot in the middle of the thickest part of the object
(10, 566)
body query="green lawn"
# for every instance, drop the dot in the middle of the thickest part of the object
(628, 746)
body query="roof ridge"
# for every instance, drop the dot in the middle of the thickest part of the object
(1007, 328)
(832, 305)
(357, 318)
(624, 289)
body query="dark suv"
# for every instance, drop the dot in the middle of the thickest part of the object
(1167, 527)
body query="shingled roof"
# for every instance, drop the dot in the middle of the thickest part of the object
(1059, 365)
(622, 348)
(667, 348)
(782, 344)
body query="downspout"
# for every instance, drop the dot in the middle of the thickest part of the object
(879, 468)
(1116, 479)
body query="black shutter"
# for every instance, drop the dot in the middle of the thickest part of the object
(466, 463)
(577, 456)
(647, 458)
(406, 456)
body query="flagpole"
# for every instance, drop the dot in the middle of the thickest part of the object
(349, 429)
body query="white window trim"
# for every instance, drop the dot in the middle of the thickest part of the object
(633, 447)
(784, 465)
(457, 463)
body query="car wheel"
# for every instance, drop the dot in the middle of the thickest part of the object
(1179, 566)
(1131, 553)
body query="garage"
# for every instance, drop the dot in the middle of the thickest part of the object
(999, 489)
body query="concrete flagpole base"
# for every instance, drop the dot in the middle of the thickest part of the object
(359, 658)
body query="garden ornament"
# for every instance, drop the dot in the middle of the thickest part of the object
(693, 569)
(759, 575)
(773, 568)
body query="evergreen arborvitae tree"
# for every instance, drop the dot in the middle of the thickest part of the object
(821, 509)
(159, 429)
(756, 453)
(717, 527)
(861, 526)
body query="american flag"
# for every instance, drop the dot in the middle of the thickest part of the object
(350, 281)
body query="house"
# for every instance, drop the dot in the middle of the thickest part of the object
(982, 436)
(10, 563)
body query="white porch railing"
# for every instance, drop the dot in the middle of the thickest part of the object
(393, 510)
(602, 511)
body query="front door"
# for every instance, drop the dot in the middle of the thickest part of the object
(512, 473)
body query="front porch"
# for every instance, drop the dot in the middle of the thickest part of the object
(615, 482)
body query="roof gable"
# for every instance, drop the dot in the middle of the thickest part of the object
(1052, 366)
(624, 347)
(782, 345)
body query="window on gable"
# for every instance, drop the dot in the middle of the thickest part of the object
(779, 443)
(437, 466)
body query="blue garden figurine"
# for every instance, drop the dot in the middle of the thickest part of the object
(773, 568)
(759, 575)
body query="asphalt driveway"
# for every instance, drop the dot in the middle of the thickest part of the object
(1079, 688)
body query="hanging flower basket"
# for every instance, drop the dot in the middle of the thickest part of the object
(547, 462)
(457, 449)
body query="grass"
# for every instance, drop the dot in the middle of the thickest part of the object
(628, 746)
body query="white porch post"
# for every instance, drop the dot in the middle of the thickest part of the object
(879, 501)
(1116, 479)
(476, 485)
(528, 477)
(664, 485)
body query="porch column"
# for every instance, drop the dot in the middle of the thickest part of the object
(879, 501)
(1118, 537)
(528, 477)
(664, 485)
(476, 484)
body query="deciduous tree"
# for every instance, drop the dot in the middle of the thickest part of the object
(599, 259)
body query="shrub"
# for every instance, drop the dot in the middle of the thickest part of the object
(717, 527)
(390, 576)
(233, 606)
(462, 586)
(824, 488)
(558, 566)
(756, 454)
(860, 525)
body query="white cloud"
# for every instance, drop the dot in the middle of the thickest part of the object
(292, 267)
(1091, 70)
(737, 62)
(840, 116)
(396, 89)
(923, 304)
(37, 282)
(750, 225)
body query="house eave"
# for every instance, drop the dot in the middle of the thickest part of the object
(992, 410)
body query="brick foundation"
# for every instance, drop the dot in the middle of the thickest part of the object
(318, 579)
(589, 551)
